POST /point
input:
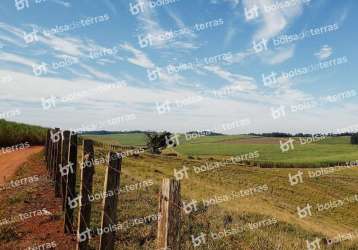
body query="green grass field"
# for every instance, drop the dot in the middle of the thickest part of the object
(330, 151)
(131, 139)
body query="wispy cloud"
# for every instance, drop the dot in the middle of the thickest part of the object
(17, 59)
(278, 56)
(63, 3)
(324, 53)
(56, 48)
(234, 3)
(149, 24)
(139, 59)
(97, 74)
(275, 21)
(12, 35)
(239, 82)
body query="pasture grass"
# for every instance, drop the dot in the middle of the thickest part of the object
(280, 202)
(130, 139)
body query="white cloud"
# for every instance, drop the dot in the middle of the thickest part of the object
(275, 21)
(278, 56)
(239, 82)
(140, 58)
(97, 74)
(141, 102)
(230, 34)
(13, 58)
(241, 56)
(234, 3)
(63, 3)
(56, 48)
(324, 53)
(12, 35)
(150, 25)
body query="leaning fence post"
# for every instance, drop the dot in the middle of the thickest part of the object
(64, 164)
(109, 213)
(57, 174)
(168, 236)
(84, 215)
(71, 185)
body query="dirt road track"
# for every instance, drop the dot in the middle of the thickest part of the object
(10, 162)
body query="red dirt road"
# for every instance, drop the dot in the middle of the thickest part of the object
(10, 162)
(33, 232)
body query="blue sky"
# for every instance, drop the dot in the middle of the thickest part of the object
(104, 50)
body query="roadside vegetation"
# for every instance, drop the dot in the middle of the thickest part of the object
(12, 133)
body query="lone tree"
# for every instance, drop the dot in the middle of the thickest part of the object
(354, 139)
(157, 141)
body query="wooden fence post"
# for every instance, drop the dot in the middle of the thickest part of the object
(49, 150)
(169, 220)
(54, 153)
(109, 213)
(46, 144)
(57, 173)
(84, 215)
(64, 164)
(71, 186)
